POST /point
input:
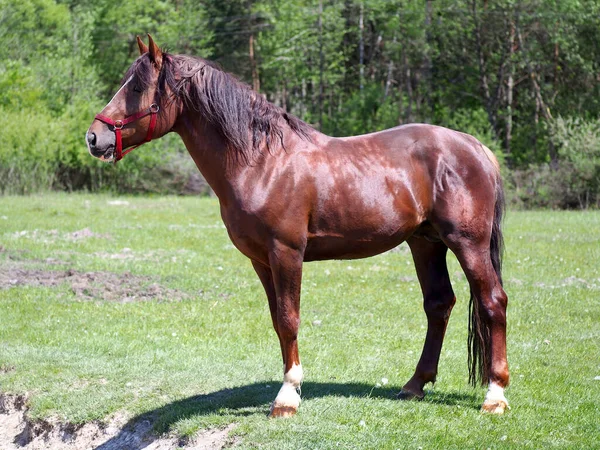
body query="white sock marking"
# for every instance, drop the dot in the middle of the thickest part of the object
(495, 393)
(289, 393)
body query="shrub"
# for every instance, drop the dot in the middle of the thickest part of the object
(574, 182)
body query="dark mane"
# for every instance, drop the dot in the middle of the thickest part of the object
(243, 117)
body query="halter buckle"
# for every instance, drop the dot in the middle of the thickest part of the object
(154, 108)
(118, 124)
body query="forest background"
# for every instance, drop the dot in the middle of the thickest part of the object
(522, 76)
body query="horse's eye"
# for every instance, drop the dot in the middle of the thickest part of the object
(137, 89)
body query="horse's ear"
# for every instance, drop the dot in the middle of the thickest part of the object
(155, 53)
(143, 47)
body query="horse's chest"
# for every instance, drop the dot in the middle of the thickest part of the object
(245, 234)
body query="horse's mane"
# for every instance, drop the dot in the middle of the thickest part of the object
(242, 116)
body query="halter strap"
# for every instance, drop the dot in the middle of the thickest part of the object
(118, 125)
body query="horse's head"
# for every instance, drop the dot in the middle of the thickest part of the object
(138, 112)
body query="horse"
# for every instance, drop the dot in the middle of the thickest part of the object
(290, 194)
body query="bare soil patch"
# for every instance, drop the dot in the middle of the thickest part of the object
(123, 287)
(18, 432)
(85, 234)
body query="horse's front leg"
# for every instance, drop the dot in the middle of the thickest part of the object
(266, 278)
(286, 276)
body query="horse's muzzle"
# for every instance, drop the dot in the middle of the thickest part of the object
(100, 145)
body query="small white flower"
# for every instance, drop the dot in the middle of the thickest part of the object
(362, 423)
(173, 334)
(384, 381)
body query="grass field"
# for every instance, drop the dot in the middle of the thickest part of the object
(143, 306)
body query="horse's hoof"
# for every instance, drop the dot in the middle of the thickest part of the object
(494, 407)
(409, 395)
(282, 411)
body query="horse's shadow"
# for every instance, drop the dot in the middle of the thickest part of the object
(252, 399)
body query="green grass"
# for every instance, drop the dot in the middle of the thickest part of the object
(211, 358)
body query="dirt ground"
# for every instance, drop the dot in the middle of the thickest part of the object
(123, 287)
(18, 432)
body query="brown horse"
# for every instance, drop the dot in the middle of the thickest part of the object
(290, 194)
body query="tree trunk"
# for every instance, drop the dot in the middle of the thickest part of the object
(510, 84)
(483, 79)
(389, 79)
(428, 63)
(253, 64)
(303, 94)
(321, 64)
(361, 47)
(409, 91)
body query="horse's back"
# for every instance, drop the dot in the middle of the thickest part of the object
(430, 155)
(421, 140)
(385, 186)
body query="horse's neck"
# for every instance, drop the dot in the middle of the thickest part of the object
(222, 172)
(208, 150)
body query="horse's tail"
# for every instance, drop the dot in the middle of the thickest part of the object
(479, 332)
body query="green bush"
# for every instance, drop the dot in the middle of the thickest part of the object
(30, 143)
(579, 153)
(574, 181)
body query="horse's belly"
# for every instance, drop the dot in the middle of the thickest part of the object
(353, 235)
(337, 247)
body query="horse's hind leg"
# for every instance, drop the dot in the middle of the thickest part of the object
(488, 321)
(438, 300)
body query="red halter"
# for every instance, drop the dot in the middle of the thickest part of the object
(120, 123)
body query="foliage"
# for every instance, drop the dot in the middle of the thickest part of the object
(505, 71)
(27, 160)
(575, 181)
(580, 155)
(212, 358)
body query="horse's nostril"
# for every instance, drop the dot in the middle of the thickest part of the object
(91, 138)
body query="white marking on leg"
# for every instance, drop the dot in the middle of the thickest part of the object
(495, 394)
(289, 394)
(294, 375)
